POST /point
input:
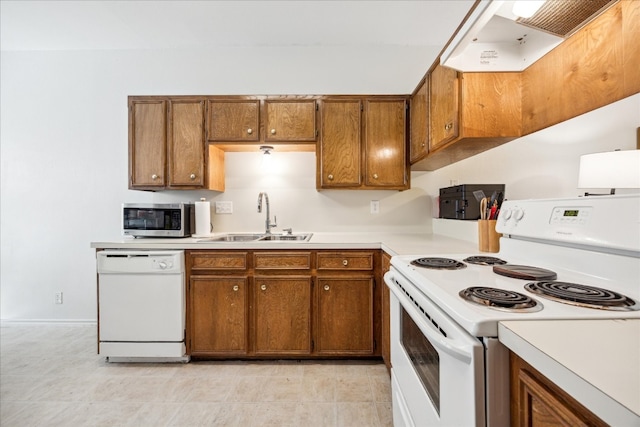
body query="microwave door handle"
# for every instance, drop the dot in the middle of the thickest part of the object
(444, 344)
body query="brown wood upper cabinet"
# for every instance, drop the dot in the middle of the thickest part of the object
(385, 144)
(147, 143)
(290, 120)
(470, 113)
(185, 143)
(233, 120)
(362, 144)
(444, 115)
(473, 112)
(419, 123)
(167, 145)
(339, 153)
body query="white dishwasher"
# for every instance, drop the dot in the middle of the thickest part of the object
(141, 305)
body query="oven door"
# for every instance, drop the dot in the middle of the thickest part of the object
(437, 367)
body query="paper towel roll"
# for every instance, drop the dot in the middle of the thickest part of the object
(203, 218)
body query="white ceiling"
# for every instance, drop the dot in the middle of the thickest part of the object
(70, 25)
(327, 46)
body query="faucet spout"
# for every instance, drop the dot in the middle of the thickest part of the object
(268, 225)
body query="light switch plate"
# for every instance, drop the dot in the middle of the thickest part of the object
(224, 207)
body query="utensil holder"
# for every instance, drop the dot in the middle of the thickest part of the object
(488, 239)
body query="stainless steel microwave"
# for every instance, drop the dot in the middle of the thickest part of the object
(158, 219)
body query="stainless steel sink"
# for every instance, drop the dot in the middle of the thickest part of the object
(287, 237)
(242, 237)
(232, 238)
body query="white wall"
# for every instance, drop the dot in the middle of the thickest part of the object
(64, 158)
(545, 164)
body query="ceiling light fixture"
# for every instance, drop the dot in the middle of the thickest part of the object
(527, 8)
(266, 155)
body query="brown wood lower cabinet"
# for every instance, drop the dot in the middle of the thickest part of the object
(283, 304)
(344, 316)
(282, 312)
(218, 314)
(537, 402)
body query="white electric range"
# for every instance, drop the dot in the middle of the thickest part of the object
(448, 367)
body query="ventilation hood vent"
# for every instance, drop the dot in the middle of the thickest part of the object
(494, 39)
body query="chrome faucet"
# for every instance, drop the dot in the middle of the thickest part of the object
(267, 223)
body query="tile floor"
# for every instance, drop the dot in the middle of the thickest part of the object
(50, 375)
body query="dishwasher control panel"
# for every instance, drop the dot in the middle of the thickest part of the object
(140, 261)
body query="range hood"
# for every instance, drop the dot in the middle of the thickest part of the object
(493, 38)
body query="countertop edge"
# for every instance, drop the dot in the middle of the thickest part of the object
(601, 404)
(401, 243)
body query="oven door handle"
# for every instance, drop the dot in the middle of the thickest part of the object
(447, 345)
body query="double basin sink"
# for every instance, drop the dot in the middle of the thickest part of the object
(243, 237)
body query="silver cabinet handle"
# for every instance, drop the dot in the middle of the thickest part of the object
(192, 176)
(249, 131)
(263, 287)
(330, 177)
(154, 177)
(273, 131)
(345, 262)
(448, 126)
(326, 287)
(375, 176)
(235, 288)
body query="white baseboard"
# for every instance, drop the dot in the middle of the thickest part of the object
(52, 321)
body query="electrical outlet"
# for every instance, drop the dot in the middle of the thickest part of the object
(375, 206)
(58, 297)
(224, 207)
(453, 182)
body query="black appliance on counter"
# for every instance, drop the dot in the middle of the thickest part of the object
(459, 201)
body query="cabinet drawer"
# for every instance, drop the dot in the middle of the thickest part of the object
(282, 260)
(345, 261)
(219, 261)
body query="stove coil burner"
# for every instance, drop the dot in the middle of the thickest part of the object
(500, 299)
(582, 295)
(484, 260)
(439, 263)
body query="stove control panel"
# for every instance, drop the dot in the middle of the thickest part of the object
(604, 221)
(570, 215)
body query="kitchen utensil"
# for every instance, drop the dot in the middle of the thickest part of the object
(479, 195)
(493, 211)
(483, 208)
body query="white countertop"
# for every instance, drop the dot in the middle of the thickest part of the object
(392, 243)
(596, 361)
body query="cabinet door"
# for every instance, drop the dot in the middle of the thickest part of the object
(218, 315)
(147, 143)
(345, 316)
(444, 105)
(537, 402)
(385, 143)
(339, 150)
(419, 123)
(233, 120)
(290, 121)
(282, 307)
(186, 143)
